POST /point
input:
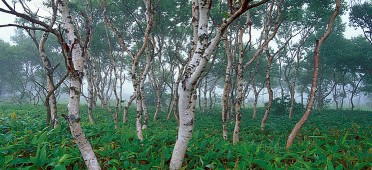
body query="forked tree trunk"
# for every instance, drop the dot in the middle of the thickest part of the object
(195, 67)
(126, 107)
(354, 90)
(310, 103)
(76, 67)
(149, 14)
(50, 99)
(269, 21)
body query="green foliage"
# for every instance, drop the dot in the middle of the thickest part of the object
(330, 140)
(360, 16)
(282, 105)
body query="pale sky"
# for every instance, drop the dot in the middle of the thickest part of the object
(7, 32)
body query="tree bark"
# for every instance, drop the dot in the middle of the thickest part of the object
(76, 67)
(310, 103)
(135, 59)
(192, 73)
(126, 107)
(158, 94)
(354, 90)
(269, 90)
(142, 88)
(239, 77)
(226, 87)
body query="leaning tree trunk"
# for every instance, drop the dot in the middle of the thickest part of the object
(76, 67)
(126, 107)
(50, 99)
(310, 103)
(269, 58)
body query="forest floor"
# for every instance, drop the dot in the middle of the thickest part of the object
(330, 139)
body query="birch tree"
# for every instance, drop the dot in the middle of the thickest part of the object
(201, 50)
(136, 77)
(75, 65)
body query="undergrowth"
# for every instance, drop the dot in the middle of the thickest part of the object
(330, 139)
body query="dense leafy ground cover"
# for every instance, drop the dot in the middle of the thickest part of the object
(330, 139)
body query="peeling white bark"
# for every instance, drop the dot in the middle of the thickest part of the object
(74, 52)
(194, 68)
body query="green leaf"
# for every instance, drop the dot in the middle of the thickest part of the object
(114, 162)
(340, 167)
(63, 158)
(329, 165)
(344, 138)
(43, 156)
(261, 163)
(41, 139)
(8, 159)
(59, 167)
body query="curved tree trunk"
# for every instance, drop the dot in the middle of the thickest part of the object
(126, 107)
(354, 91)
(195, 67)
(310, 103)
(50, 99)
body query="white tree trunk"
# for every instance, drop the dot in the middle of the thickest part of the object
(195, 67)
(239, 76)
(76, 68)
